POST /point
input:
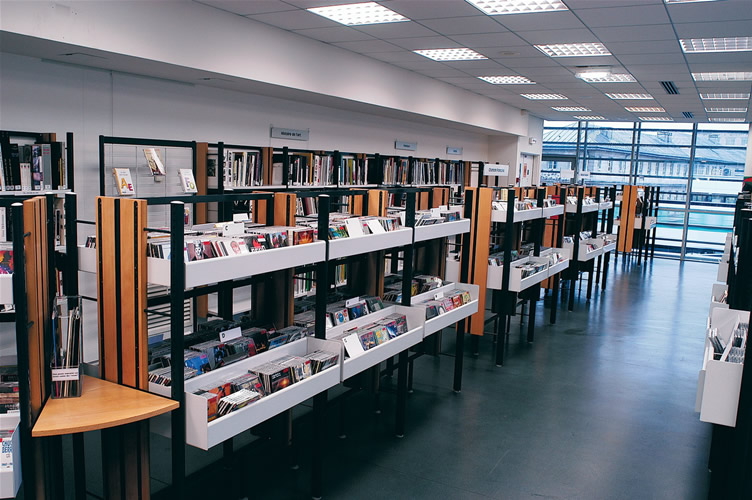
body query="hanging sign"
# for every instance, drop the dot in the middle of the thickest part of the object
(496, 170)
(406, 146)
(454, 151)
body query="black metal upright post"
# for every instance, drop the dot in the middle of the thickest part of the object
(507, 302)
(28, 465)
(574, 263)
(656, 203)
(609, 230)
(69, 177)
(459, 349)
(177, 294)
(319, 400)
(559, 244)
(407, 280)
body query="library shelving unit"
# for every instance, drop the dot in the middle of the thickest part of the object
(395, 171)
(638, 220)
(724, 392)
(12, 143)
(583, 206)
(498, 223)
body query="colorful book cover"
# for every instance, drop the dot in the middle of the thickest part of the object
(6, 261)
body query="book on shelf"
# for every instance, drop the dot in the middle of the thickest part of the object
(353, 172)
(32, 167)
(154, 161)
(187, 181)
(123, 181)
(243, 168)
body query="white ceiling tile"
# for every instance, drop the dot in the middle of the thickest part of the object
(558, 36)
(546, 71)
(722, 67)
(295, 20)
(518, 52)
(419, 66)
(528, 62)
(401, 56)
(624, 16)
(653, 47)
(732, 58)
(715, 29)
(464, 25)
(432, 9)
(456, 80)
(307, 4)
(473, 65)
(590, 4)
(631, 33)
(650, 58)
(425, 42)
(499, 40)
(728, 10)
(440, 70)
(248, 7)
(588, 61)
(367, 46)
(540, 20)
(407, 29)
(338, 34)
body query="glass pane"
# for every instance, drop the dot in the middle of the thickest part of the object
(669, 232)
(619, 125)
(665, 126)
(665, 138)
(610, 136)
(706, 234)
(607, 171)
(551, 168)
(670, 176)
(722, 138)
(556, 135)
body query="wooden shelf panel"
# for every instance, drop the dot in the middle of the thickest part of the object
(102, 405)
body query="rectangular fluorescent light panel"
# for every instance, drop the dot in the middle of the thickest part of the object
(721, 44)
(726, 110)
(502, 7)
(612, 78)
(359, 14)
(645, 109)
(719, 95)
(590, 117)
(727, 120)
(570, 108)
(507, 80)
(656, 118)
(461, 54)
(728, 76)
(543, 97)
(574, 49)
(629, 97)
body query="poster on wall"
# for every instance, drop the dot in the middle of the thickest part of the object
(526, 171)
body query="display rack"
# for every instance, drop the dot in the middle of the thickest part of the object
(638, 220)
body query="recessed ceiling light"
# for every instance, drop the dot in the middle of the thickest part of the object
(570, 108)
(726, 110)
(543, 97)
(611, 78)
(358, 14)
(727, 76)
(629, 97)
(590, 117)
(645, 109)
(688, 1)
(727, 120)
(507, 80)
(656, 118)
(502, 7)
(460, 54)
(721, 44)
(719, 95)
(574, 49)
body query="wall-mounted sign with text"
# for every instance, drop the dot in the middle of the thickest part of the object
(584, 174)
(454, 151)
(566, 174)
(406, 146)
(496, 170)
(289, 133)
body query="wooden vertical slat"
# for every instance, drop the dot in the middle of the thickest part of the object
(377, 202)
(266, 166)
(202, 153)
(479, 239)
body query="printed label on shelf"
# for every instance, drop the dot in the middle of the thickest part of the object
(435, 212)
(438, 296)
(233, 229)
(496, 170)
(353, 346)
(63, 374)
(406, 146)
(352, 302)
(230, 334)
(289, 133)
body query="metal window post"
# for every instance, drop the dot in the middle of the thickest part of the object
(687, 204)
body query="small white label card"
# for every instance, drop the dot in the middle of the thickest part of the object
(354, 227)
(63, 374)
(233, 229)
(375, 226)
(439, 295)
(353, 346)
(352, 302)
(230, 334)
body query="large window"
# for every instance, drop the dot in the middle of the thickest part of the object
(699, 168)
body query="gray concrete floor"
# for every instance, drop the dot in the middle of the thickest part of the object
(600, 406)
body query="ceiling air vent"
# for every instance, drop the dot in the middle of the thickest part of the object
(688, 114)
(670, 88)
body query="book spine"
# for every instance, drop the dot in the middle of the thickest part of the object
(15, 167)
(46, 182)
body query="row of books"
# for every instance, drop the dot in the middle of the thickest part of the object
(429, 217)
(341, 312)
(32, 167)
(9, 397)
(241, 390)
(421, 283)
(448, 302)
(242, 168)
(305, 283)
(360, 339)
(353, 172)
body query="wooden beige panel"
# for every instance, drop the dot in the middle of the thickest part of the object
(440, 197)
(127, 298)
(356, 204)
(422, 201)
(627, 219)
(266, 166)
(377, 202)
(284, 209)
(479, 239)
(259, 210)
(106, 300)
(202, 153)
